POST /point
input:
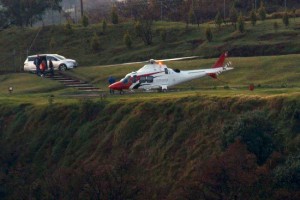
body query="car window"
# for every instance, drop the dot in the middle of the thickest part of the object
(31, 58)
(51, 58)
(60, 57)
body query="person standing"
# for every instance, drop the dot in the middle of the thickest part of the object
(51, 68)
(43, 67)
(111, 80)
(37, 62)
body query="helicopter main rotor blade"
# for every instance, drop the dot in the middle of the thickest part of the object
(182, 58)
(161, 60)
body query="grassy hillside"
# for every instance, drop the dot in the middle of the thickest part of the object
(261, 39)
(151, 149)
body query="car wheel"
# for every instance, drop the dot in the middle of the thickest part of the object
(62, 67)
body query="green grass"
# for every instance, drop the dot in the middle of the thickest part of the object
(258, 40)
(268, 71)
(271, 75)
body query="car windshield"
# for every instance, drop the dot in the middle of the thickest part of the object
(60, 57)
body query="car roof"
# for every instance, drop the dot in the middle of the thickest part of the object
(45, 55)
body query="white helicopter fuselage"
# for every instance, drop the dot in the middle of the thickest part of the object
(159, 76)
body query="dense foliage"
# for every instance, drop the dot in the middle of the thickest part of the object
(26, 12)
(189, 148)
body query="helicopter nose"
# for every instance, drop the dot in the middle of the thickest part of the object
(116, 86)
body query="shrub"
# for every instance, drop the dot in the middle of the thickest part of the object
(275, 26)
(233, 16)
(288, 174)
(192, 16)
(114, 15)
(85, 21)
(262, 11)
(127, 40)
(163, 35)
(95, 43)
(253, 17)
(68, 28)
(241, 24)
(208, 33)
(104, 26)
(52, 43)
(143, 29)
(218, 20)
(253, 129)
(285, 19)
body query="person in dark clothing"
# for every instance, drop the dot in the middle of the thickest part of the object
(111, 80)
(37, 63)
(51, 68)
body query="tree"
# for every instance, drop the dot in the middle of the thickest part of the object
(233, 16)
(218, 20)
(275, 26)
(127, 40)
(4, 20)
(288, 175)
(68, 28)
(95, 44)
(262, 11)
(192, 16)
(163, 35)
(104, 26)
(208, 34)
(253, 129)
(253, 17)
(25, 13)
(241, 23)
(231, 175)
(114, 15)
(85, 21)
(52, 43)
(143, 30)
(285, 19)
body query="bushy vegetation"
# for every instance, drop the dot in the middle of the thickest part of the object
(104, 26)
(188, 148)
(127, 40)
(95, 42)
(76, 41)
(85, 21)
(208, 34)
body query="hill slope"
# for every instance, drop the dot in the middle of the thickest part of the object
(151, 149)
(261, 39)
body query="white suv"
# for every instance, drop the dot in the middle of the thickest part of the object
(59, 62)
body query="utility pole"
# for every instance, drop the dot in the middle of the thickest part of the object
(161, 11)
(285, 4)
(224, 9)
(81, 8)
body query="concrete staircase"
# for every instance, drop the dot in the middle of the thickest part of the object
(72, 82)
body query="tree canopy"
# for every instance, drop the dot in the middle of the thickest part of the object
(26, 12)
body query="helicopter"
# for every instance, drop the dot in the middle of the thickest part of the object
(156, 75)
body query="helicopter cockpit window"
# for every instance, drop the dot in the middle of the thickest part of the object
(126, 79)
(134, 79)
